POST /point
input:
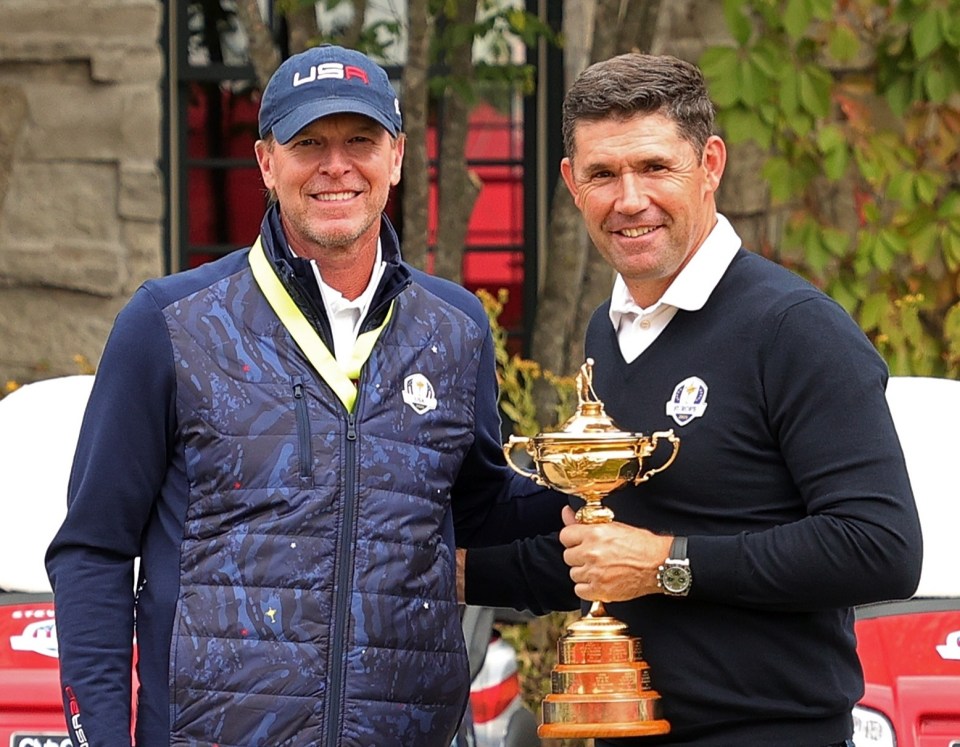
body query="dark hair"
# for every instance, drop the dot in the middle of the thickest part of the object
(634, 83)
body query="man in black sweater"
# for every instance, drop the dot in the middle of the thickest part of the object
(788, 502)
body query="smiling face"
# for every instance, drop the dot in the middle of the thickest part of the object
(332, 181)
(646, 196)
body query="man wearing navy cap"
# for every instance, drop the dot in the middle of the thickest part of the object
(291, 440)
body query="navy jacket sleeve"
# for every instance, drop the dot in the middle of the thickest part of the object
(860, 541)
(528, 574)
(120, 463)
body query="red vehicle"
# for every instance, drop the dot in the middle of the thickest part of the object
(910, 650)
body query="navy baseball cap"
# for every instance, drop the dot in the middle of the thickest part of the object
(327, 80)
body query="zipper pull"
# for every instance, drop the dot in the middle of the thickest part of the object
(351, 427)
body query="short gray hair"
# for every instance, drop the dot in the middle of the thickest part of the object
(635, 83)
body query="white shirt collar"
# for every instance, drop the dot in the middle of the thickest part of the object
(346, 316)
(334, 299)
(692, 287)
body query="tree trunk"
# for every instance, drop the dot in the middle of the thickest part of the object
(576, 279)
(562, 280)
(457, 188)
(638, 26)
(352, 34)
(416, 107)
(302, 29)
(264, 55)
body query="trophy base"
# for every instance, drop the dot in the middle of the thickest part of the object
(580, 716)
(601, 685)
(602, 730)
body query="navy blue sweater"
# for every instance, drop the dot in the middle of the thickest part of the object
(792, 488)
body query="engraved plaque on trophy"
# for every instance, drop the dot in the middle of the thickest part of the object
(601, 685)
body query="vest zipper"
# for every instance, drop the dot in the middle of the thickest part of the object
(303, 430)
(341, 611)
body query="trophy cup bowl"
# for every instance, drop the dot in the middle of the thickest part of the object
(601, 685)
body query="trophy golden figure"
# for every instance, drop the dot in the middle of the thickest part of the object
(601, 685)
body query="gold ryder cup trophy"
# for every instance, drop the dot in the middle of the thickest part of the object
(601, 685)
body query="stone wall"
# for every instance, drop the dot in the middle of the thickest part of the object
(81, 197)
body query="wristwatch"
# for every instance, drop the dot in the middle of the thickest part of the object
(675, 576)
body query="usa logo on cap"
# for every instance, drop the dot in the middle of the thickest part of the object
(334, 70)
(322, 81)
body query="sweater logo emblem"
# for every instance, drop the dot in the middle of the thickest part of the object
(418, 392)
(688, 401)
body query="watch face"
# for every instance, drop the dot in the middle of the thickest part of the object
(676, 579)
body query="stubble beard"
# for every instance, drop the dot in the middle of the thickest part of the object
(318, 235)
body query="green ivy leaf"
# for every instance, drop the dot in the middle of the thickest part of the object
(871, 212)
(816, 255)
(843, 295)
(863, 262)
(950, 26)
(869, 168)
(843, 43)
(900, 186)
(719, 65)
(935, 82)
(835, 241)
(796, 17)
(737, 21)
(923, 244)
(835, 163)
(833, 146)
(927, 186)
(897, 95)
(910, 320)
(889, 246)
(830, 137)
(779, 175)
(743, 125)
(790, 91)
(873, 310)
(822, 9)
(815, 83)
(951, 253)
(750, 81)
(797, 128)
(949, 207)
(769, 59)
(925, 33)
(902, 189)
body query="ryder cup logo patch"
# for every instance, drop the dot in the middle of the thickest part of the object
(419, 394)
(689, 400)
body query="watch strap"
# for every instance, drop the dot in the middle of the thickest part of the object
(678, 549)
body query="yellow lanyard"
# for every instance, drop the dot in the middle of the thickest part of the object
(341, 380)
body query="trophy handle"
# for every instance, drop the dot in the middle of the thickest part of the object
(654, 438)
(512, 443)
